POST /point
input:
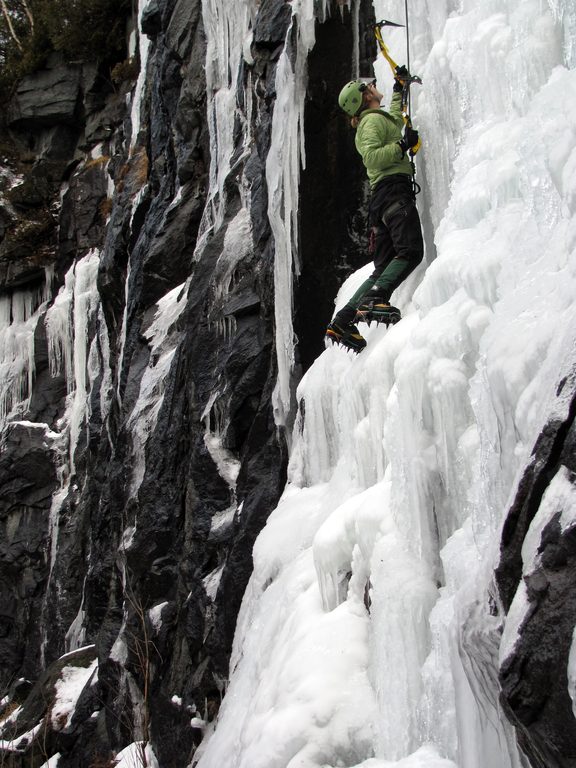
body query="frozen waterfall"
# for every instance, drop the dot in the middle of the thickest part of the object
(373, 577)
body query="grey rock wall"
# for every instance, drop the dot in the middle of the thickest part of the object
(534, 677)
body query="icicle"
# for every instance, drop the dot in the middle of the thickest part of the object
(76, 634)
(237, 246)
(227, 30)
(59, 331)
(145, 412)
(67, 323)
(19, 315)
(215, 425)
(143, 47)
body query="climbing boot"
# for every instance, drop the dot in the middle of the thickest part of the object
(376, 308)
(347, 336)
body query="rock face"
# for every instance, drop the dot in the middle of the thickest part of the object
(28, 479)
(49, 97)
(143, 462)
(535, 688)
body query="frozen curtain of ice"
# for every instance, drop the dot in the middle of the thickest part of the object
(373, 577)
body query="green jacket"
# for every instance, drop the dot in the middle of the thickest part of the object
(376, 140)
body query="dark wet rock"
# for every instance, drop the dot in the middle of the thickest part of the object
(168, 256)
(40, 728)
(333, 233)
(7, 217)
(184, 22)
(28, 246)
(271, 23)
(82, 219)
(100, 124)
(151, 20)
(48, 97)
(31, 193)
(190, 134)
(533, 677)
(56, 143)
(243, 301)
(28, 480)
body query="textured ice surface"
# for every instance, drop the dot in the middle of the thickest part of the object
(19, 315)
(67, 323)
(365, 637)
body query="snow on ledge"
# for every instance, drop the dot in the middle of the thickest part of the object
(72, 682)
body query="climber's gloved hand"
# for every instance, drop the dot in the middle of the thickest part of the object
(410, 137)
(409, 140)
(400, 76)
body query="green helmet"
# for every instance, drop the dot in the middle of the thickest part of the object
(350, 99)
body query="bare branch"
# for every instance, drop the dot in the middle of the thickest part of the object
(28, 13)
(11, 29)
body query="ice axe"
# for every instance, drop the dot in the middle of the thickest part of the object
(386, 53)
(406, 78)
(382, 45)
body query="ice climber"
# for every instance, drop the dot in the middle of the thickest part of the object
(393, 218)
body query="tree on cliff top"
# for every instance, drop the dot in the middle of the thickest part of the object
(82, 30)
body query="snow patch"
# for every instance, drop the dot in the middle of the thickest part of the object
(68, 688)
(136, 755)
(155, 615)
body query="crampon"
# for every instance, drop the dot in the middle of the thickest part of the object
(348, 336)
(374, 312)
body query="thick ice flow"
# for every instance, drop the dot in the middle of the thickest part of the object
(365, 636)
(20, 312)
(228, 27)
(68, 333)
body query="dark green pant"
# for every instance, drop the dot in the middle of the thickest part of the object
(398, 244)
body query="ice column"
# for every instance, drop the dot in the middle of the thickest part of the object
(19, 315)
(227, 28)
(67, 330)
(285, 158)
(565, 13)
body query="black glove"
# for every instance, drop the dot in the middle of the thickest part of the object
(410, 137)
(401, 74)
(409, 141)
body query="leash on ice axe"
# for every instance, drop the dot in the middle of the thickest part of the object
(402, 74)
